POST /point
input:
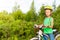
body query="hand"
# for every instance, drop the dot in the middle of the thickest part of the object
(40, 26)
(35, 26)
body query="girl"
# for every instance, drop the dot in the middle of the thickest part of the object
(48, 23)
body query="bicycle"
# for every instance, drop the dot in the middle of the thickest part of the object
(40, 33)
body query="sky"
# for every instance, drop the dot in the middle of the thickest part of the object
(24, 4)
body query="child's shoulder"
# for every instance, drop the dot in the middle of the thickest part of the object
(51, 17)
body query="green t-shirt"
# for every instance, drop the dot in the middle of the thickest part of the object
(47, 22)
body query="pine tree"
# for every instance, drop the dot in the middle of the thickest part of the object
(56, 16)
(31, 14)
(41, 15)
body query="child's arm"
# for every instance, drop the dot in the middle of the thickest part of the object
(40, 26)
(51, 24)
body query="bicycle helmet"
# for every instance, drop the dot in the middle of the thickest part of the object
(48, 8)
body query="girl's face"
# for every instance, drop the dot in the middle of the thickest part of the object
(48, 13)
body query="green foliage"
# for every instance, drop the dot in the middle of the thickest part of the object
(56, 16)
(41, 15)
(31, 14)
(9, 28)
(18, 15)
